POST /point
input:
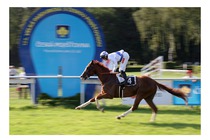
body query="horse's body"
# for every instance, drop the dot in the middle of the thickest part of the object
(145, 88)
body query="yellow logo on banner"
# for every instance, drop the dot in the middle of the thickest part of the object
(62, 31)
(185, 89)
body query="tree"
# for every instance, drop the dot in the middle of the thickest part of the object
(119, 29)
(18, 17)
(169, 31)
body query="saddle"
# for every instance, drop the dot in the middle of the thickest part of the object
(130, 81)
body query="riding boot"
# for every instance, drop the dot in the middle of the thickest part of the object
(123, 74)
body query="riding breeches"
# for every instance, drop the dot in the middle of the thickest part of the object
(124, 61)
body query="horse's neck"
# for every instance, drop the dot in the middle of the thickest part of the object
(104, 74)
(106, 77)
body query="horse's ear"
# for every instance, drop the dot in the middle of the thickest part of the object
(93, 61)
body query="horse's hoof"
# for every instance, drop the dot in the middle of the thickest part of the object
(102, 110)
(78, 108)
(152, 121)
(118, 117)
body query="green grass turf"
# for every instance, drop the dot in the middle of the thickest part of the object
(26, 119)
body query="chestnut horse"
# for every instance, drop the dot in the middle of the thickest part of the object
(145, 88)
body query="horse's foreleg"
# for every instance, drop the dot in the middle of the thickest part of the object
(101, 96)
(98, 105)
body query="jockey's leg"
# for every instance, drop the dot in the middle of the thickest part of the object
(122, 67)
(123, 74)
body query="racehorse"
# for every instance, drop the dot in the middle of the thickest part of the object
(145, 88)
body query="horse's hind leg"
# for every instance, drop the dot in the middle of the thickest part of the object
(153, 107)
(83, 105)
(134, 107)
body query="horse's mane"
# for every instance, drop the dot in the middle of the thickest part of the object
(101, 65)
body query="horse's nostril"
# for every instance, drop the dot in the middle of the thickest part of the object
(83, 77)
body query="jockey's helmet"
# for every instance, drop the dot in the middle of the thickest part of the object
(104, 55)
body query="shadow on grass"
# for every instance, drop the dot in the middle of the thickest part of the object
(123, 108)
(114, 108)
(72, 102)
(23, 108)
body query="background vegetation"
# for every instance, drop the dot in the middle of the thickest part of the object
(144, 32)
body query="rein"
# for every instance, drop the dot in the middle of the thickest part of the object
(109, 73)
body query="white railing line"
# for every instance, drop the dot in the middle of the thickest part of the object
(177, 79)
(92, 77)
(152, 62)
(50, 76)
(184, 79)
(16, 79)
(172, 70)
(150, 67)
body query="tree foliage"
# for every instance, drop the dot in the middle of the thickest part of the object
(144, 32)
(171, 32)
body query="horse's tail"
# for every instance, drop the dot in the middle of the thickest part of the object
(175, 92)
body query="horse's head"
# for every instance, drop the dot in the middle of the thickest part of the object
(89, 71)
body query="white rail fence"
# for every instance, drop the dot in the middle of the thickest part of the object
(92, 80)
(155, 68)
(32, 81)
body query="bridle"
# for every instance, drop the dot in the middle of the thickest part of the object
(88, 69)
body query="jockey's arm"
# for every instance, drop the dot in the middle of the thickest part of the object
(115, 65)
(114, 68)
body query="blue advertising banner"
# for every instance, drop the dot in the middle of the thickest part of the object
(191, 88)
(59, 41)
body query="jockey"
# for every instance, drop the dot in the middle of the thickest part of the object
(121, 57)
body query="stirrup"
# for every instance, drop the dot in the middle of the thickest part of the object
(123, 83)
(121, 88)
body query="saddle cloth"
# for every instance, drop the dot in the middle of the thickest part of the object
(130, 81)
